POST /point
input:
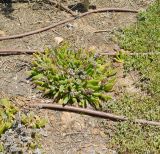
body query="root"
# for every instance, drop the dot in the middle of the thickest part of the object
(5, 52)
(94, 113)
(65, 21)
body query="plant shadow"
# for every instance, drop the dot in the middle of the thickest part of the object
(80, 7)
(7, 9)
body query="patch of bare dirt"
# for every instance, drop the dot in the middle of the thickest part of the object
(74, 133)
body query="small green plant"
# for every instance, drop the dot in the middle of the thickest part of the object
(32, 120)
(73, 77)
(136, 139)
(148, 67)
(1, 147)
(145, 34)
(120, 57)
(7, 115)
(8, 112)
(132, 138)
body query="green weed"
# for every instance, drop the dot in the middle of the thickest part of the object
(149, 73)
(73, 77)
(7, 115)
(145, 34)
(142, 107)
(136, 139)
(32, 120)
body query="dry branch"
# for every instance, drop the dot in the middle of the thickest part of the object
(16, 51)
(93, 113)
(65, 21)
(109, 53)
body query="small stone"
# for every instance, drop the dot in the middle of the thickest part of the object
(7, 145)
(2, 33)
(69, 26)
(66, 118)
(25, 139)
(9, 139)
(3, 138)
(37, 151)
(14, 148)
(44, 133)
(58, 40)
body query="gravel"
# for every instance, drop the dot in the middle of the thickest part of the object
(18, 140)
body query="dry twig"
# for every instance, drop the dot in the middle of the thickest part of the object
(5, 52)
(65, 21)
(93, 113)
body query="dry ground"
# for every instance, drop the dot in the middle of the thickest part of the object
(66, 132)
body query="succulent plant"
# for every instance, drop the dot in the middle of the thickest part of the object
(73, 77)
(7, 114)
(32, 120)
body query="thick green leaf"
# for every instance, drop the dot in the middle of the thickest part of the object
(66, 99)
(93, 87)
(41, 123)
(2, 128)
(5, 102)
(108, 87)
(38, 77)
(93, 82)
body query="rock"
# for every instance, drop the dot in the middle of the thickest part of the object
(37, 151)
(14, 148)
(2, 33)
(58, 40)
(69, 26)
(26, 139)
(18, 139)
(44, 133)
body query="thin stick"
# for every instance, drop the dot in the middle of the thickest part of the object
(93, 113)
(65, 21)
(101, 31)
(16, 51)
(27, 51)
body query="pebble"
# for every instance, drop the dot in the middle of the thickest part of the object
(44, 133)
(37, 151)
(58, 40)
(2, 33)
(69, 26)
